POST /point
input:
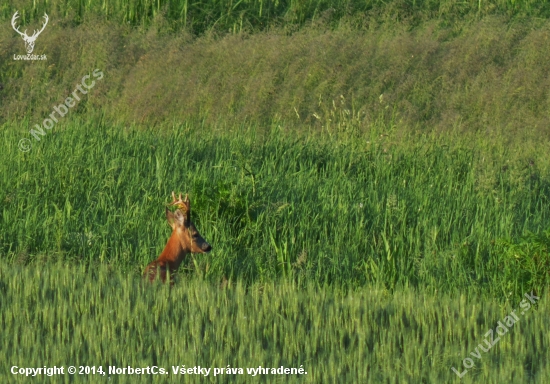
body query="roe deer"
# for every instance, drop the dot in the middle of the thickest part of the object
(184, 239)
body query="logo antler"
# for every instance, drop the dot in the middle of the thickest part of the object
(29, 40)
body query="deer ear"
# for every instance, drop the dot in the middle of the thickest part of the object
(180, 217)
(187, 208)
(170, 217)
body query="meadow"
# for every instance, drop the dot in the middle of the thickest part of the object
(374, 181)
(327, 253)
(66, 314)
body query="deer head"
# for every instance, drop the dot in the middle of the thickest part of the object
(180, 221)
(29, 40)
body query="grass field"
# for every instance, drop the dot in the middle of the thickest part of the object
(325, 240)
(373, 178)
(221, 16)
(63, 314)
(330, 208)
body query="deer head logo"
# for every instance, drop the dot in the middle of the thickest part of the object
(29, 40)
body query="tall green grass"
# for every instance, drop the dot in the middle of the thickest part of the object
(66, 314)
(254, 15)
(335, 207)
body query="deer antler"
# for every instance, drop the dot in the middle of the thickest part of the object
(15, 17)
(182, 204)
(29, 40)
(35, 34)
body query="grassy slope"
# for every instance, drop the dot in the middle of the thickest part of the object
(487, 75)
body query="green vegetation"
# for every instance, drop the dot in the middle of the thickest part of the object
(528, 259)
(64, 314)
(373, 177)
(330, 208)
(478, 76)
(256, 15)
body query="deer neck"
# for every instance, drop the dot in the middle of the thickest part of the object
(173, 253)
